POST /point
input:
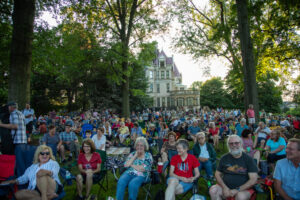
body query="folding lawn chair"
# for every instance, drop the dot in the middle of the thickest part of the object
(103, 172)
(84, 128)
(7, 166)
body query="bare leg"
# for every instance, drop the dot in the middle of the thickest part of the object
(257, 157)
(62, 152)
(46, 186)
(164, 157)
(27, 195)
(262, 144)
(89, 183)
(79, 184)
(215, 192)
(243, 195)
(170, 192)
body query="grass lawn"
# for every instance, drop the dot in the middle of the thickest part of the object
(112, 184)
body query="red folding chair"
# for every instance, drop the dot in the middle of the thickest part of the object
(7, 166)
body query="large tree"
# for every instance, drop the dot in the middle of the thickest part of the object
(123, 24)
(21, 49)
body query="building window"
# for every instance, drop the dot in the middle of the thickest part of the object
(162, 74)
(162, 63)
(172, 102)
(180, 102)
(151, 74)
(157, 88)
(168, 87)
(163, 101)
(190, 101)
(151, 87)
(158, 102)
(157, 74)
(181, 88)
(168, 101)
(167, 74)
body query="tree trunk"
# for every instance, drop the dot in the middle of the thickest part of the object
(125, 94)
(249, 68)
(21, 51)
(70, 97)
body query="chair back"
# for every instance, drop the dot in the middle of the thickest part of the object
(7, 166)
(85, 127)
(103, 159)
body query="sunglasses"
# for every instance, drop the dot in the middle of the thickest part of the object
(45, 153)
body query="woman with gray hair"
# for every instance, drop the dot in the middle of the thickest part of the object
(138, 165)
(240, 127)
(183, 171)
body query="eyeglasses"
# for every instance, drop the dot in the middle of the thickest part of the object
(45, 153)
(234, 143)
(201, 138)
(87, 146)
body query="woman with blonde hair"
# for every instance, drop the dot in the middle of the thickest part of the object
(42, 177)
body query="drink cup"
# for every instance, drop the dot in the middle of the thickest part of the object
(159, 167)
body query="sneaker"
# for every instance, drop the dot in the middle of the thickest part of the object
(70, 158)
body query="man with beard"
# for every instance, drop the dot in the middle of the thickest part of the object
(236, 173)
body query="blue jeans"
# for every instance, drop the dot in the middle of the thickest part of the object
(207, 166)
(20, 152)
(134, 182)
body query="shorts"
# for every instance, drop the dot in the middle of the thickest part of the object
(186, 186)
(96, 178)
(273, 158)
(251, 120)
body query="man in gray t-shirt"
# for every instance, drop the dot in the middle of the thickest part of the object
(236, 173)
(52, 139)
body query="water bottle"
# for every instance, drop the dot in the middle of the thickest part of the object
(208, 184)
(68, 178)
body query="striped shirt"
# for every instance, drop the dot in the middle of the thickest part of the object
(30, 173)
(19, 134)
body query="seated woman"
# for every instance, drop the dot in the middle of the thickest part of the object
(249, 145)
(123, 132)
(99, 139)
(184, 170)
(138, 165)
(214, 132)
(52, 139)
(42, 177)
(275, 148)
(205, 153)
(89, 163)
(168, 145)
(136, 132)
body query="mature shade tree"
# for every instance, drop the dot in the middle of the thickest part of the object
(21, 49)
(122, 23)
(249, 68)
(213, 94)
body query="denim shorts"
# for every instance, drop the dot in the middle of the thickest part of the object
(185, 186)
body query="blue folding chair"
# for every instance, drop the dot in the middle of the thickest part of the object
(85, 127)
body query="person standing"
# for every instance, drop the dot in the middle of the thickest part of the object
(251, 115)
(28, 113)
(18, 132)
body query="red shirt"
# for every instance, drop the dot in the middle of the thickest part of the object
(250, 113)
(213, 132)
(129, 125)
(92, 164)
(184, 168)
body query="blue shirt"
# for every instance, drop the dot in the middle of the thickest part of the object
(240, 129)
(194, 129)
(289, 176)
(28, 112)
(274, 145)
(138, 131)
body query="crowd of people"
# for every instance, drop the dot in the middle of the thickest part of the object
(193, 135)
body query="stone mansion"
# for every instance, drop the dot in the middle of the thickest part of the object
(165, 85)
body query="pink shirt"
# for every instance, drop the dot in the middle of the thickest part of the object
(250, 113)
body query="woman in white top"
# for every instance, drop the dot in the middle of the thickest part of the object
(99, 139)
(42, 177)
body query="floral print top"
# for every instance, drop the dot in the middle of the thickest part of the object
(146, 162)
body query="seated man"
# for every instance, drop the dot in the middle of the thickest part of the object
(69, 142)
(287, 172)
(236, 173)
(193, 130)
(263, 131)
